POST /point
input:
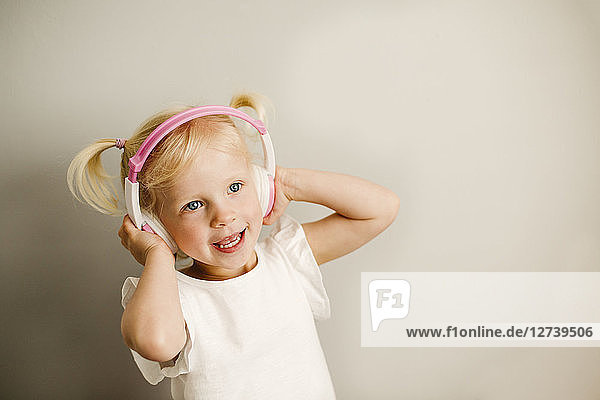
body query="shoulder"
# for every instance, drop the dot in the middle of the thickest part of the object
(285, 227)
(287, 241)
(286, 235)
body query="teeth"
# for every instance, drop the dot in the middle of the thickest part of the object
(230, 244)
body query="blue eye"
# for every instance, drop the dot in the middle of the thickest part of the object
(192, 205)
(236, 185)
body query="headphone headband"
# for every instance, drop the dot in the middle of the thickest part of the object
(137, 161)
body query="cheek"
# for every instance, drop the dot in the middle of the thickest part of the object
(249, 210)
(185, 233)
(191, 242)
(257, 212)
(255, 204)
(257, 218)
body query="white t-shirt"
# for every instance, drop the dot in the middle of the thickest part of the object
(252, 336)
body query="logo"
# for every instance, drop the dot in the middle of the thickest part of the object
(388, 299)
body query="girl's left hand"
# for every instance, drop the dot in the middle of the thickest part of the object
(282, 195)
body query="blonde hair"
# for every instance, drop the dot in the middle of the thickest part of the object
(89, 183)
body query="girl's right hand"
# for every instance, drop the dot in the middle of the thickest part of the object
(141, 243)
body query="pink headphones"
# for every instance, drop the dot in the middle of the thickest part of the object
(263, 176)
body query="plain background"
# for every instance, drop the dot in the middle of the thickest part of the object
(481, 115)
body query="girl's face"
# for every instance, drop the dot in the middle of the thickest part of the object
(215, 199)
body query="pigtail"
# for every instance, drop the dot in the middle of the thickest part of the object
(255, 101)
(88, 181)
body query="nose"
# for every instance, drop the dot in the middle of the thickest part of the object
(223, 215)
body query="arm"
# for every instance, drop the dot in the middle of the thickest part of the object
(362, 210)
(152, 323)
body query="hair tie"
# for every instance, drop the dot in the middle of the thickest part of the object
(120, 143)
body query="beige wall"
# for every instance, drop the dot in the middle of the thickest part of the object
(482, 116)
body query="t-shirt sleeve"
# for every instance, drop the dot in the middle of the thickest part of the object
(152, 370)
(289, 235)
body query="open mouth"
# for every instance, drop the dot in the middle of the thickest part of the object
(233, 244)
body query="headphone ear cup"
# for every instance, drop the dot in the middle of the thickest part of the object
(265, 188)
(157, 227)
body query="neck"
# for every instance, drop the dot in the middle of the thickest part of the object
(214, 273)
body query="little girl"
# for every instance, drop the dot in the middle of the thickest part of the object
(236, 321)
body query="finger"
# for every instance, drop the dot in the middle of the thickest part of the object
(122, 232)
(128, 223)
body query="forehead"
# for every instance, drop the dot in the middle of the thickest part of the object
(212, 167)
